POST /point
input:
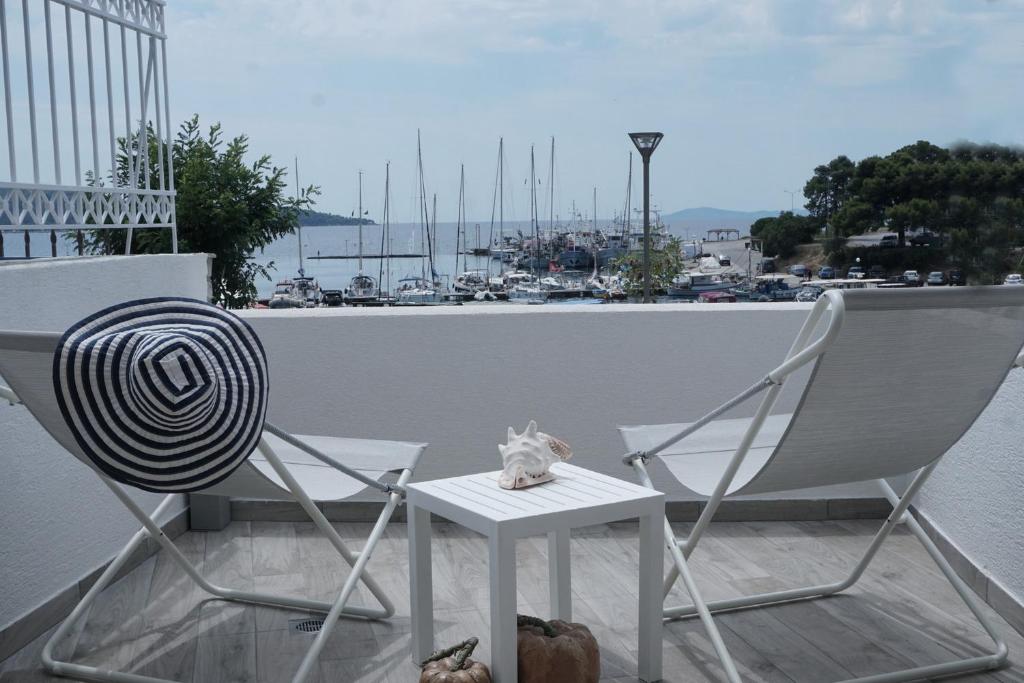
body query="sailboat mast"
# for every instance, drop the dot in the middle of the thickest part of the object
(433, 245)
(459, 229)
(424, 228)
(302, 271)
(501, 195)
(629, 199)
(551, 189)
(533, 213)
(360, 222)
(385, 238)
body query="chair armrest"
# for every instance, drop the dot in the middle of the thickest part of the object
(7, 394)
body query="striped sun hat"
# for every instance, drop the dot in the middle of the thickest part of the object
(163, 394)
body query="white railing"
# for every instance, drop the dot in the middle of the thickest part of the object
(125, 91)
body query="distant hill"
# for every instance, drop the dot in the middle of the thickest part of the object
(322, 218)
(708, 213)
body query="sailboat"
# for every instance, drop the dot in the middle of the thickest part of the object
(362, 289)
(421, 291)
(527, 291)
(468, 281)
(301, 291)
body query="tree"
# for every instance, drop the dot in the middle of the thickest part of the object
(828, 189)
(224, 207)
(780, 235)
(665, 264)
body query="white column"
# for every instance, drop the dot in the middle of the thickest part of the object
(421, 589)
(559, 574)
(503, 607)
(649, 624)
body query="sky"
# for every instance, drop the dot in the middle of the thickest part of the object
(750, 95)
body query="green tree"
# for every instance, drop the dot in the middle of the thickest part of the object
(829, 188)
(665, 264)
(224, 206)
(781, 234)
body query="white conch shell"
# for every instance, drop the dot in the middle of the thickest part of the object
(527, 457)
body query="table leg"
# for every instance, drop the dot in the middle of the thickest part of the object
(652, 557)
(560, 574)
(421, 588)
(503, 607)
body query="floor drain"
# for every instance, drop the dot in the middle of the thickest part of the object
(306, 625)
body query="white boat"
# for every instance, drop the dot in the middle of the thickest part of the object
(690, 284)
(416, 291)
(302, 292)
(471, 281)
(527, 294)
(362, 289)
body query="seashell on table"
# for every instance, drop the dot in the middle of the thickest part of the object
(527, 458)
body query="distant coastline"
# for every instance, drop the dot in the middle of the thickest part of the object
(322, 218)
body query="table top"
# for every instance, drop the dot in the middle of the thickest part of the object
(576, 497)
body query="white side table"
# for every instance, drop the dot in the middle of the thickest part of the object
(576, 498)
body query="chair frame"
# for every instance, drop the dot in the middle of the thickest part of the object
(802, 352)
(150, 529)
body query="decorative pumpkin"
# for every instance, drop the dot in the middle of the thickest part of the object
(453, 665)
(556, 651)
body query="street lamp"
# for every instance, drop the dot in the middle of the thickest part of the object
(792, 200)
(646, 143)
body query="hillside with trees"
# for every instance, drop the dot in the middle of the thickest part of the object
(971, 196)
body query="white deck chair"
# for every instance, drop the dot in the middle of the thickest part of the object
(898, 377)
(301, 468)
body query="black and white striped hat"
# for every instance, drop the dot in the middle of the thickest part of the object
(164, 394)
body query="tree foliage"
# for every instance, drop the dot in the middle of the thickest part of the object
(972, 195)
(665, 264)
(224, 206)
(781, 234)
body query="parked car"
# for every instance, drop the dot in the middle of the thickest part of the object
(936, 278)
(826, 273)
(855, 273)
(766, 266)
(912, 278)
(799, 270)
(724, 260)
(957, 278)
(925, 239)
(1013, 279)
(332, 297)
(889, 240)
(876, 272)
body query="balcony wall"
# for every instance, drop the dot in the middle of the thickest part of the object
(58, 522)
(458, 377)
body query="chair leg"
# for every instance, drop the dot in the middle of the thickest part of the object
(59, 667)
(899, 514)
(346, 591)
(388, 608)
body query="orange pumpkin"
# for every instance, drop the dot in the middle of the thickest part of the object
(556, 651)
(453, 665)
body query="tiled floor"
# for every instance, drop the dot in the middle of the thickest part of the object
(902, 613)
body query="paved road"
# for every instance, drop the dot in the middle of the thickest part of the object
(737, 253)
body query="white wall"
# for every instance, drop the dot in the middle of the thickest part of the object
(457, 377)
(57, 521)
(976, 496)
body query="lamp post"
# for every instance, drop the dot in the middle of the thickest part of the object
(646, 143)
(792, 200)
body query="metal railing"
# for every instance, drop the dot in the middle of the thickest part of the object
(117, 50)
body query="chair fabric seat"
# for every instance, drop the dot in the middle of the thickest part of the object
(374, 458)
(699, 460)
